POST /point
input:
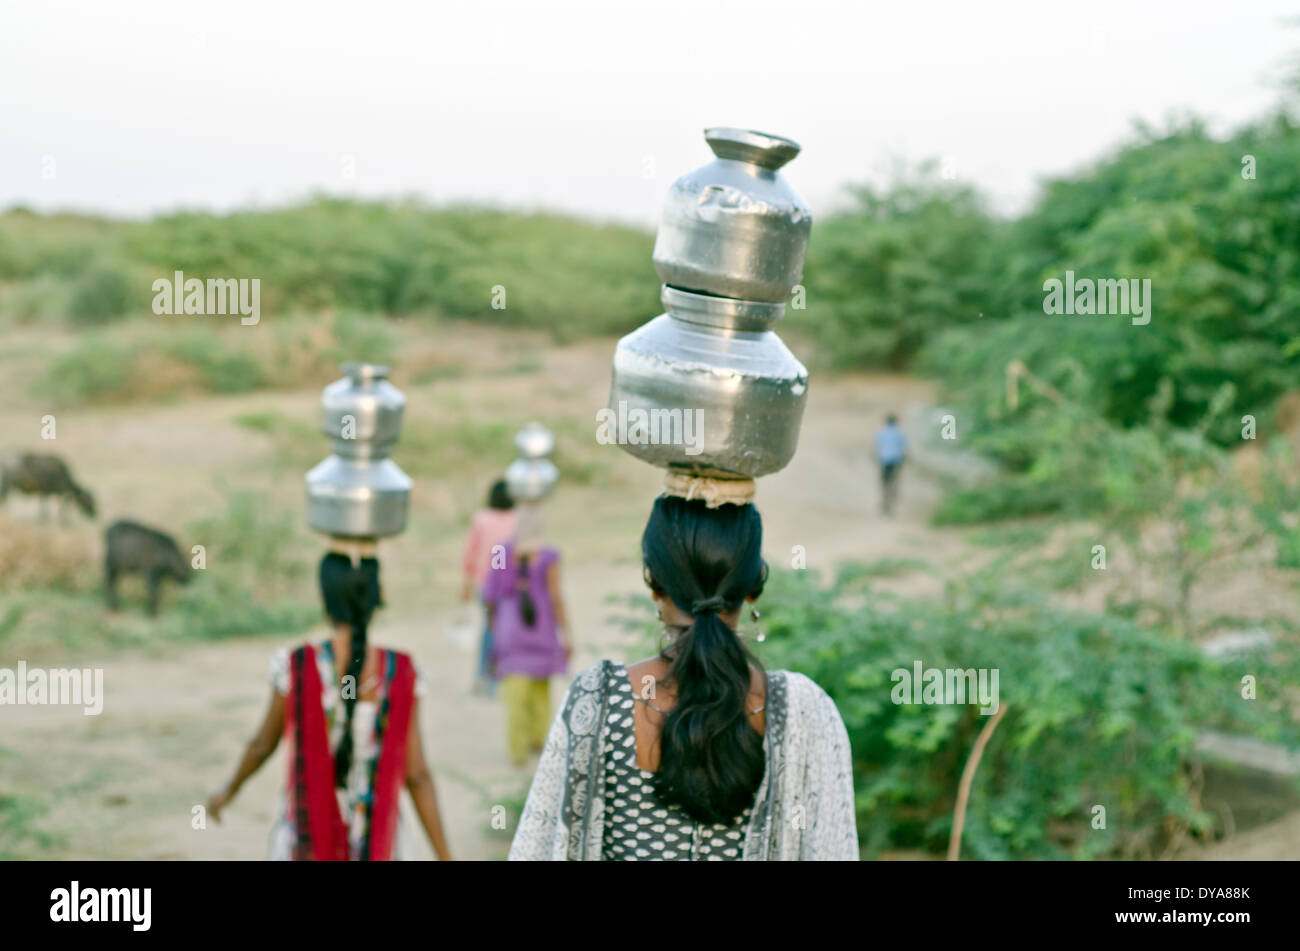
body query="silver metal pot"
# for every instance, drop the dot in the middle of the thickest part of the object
(735, 227)
(532, 476)
(358, 492)
(709, 387)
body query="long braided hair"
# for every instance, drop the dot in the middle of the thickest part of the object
(528, 533)
(527, 607)
(351, 594)
(707, 561)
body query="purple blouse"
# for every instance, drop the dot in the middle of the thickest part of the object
(516, 648)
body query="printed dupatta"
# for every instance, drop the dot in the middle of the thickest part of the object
(321, 834)
(803, 809)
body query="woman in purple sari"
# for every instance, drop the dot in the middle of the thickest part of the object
(530, 633)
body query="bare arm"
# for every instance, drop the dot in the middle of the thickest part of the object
(419, 781)
(469, 559)
(257, 752)
(557, 603)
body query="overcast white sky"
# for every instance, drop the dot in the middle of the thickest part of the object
(135, 106)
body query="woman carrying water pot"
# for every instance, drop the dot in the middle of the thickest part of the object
(350, 712)
(697, 753)
(531, 641)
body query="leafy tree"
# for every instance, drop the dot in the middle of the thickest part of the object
(903, 263)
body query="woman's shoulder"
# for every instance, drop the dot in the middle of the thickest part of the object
(805, 695)
(595, 679)
(280, 661)
(802, 686)
(594, 682)
(494, 521)
(280, 670)
(421, 684)
(580, 709)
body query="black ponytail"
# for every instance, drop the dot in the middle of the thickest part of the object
(707, 561)
(351, 595)
(527, 608)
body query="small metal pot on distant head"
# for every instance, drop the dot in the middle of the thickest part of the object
(358, 492)
(735, 227)
(532, 476)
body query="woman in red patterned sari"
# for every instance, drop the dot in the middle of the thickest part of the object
(351, 714)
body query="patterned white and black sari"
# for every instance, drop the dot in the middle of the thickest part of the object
(803, 809)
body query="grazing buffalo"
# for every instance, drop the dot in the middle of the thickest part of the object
(44, 476)
(131, 547)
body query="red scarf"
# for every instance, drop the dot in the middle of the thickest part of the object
(322, 834)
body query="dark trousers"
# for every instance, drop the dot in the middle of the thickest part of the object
(889, 485)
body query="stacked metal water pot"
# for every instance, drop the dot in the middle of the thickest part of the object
(532, 476)
(730, 251)
(358, 492)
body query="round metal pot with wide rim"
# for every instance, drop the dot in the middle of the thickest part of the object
(734, 227)
(708, 387)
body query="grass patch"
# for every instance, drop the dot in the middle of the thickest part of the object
(254, 543)
(526, 366)
(169, 358)
(439, 372)
(883, 567)
(1009, 536)
(255, 582)
(20, 832)
(258, 422)
(221, 608)
(296, 445)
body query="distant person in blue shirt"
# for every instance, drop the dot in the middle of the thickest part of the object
(891, 449)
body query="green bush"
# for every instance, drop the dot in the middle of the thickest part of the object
(1098, 712)
(21, 832)
(1010, 496)
(253, 582)
(97, 368)
(1221, 252)
(43, 297)
(902, 263)
(254, 540)
(101, 293)
(558, 273)
(139, 362)
(219, 607)
(221, 370)
(568, 276)
(362, 337)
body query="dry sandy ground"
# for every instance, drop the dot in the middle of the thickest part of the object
(1270, 842)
